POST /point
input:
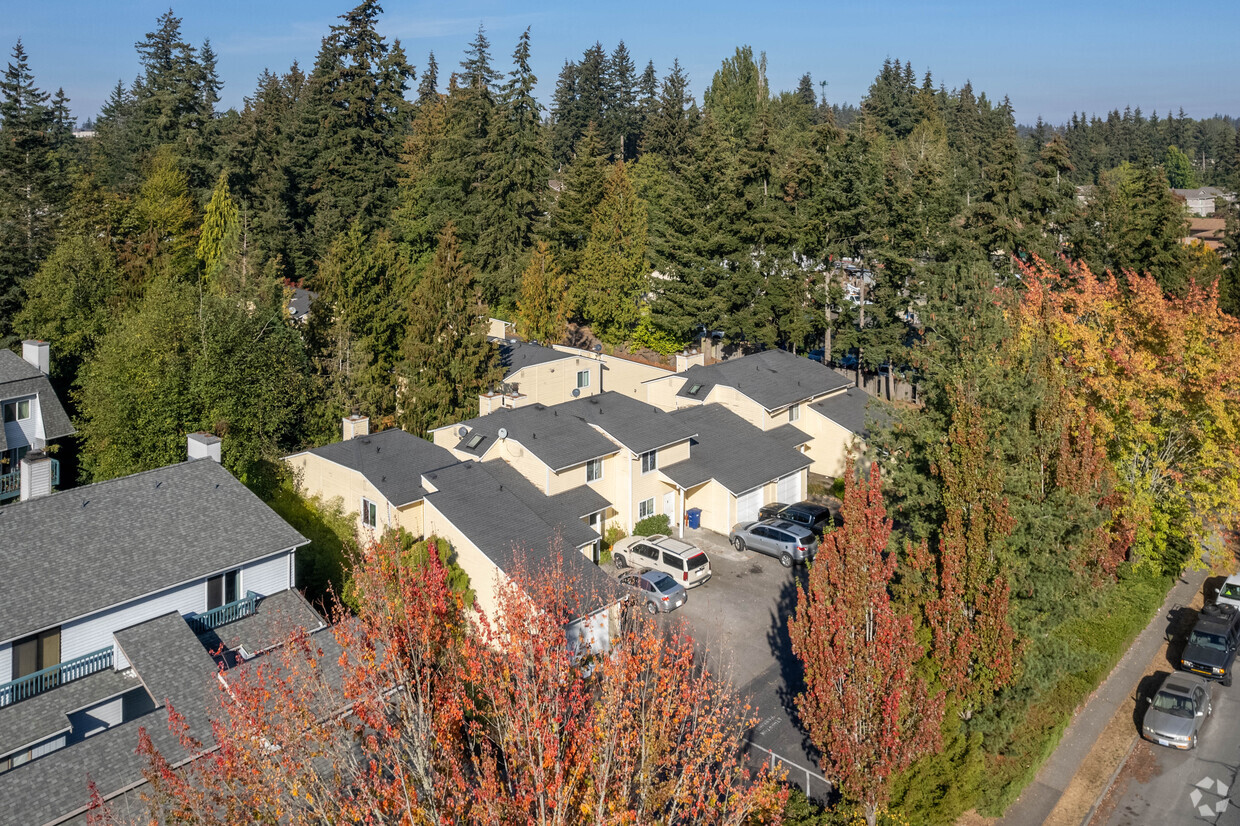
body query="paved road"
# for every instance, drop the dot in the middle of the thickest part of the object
(740, 617)
(1166, 786)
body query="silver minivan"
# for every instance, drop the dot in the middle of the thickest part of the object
(786, 541)
(684, 562)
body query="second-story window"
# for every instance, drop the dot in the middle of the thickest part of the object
(370, 514)
(650, 461)
(583, 379)
(794, 412)
(17, 411)
(36, 652)
(594, 470)
(222, 589)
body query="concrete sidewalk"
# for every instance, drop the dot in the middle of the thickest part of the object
(1039, 798)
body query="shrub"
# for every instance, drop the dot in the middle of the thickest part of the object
(611, 536)
(652, 338)
(659, 523)
(414, 553)
(321, 564)
(837, 488)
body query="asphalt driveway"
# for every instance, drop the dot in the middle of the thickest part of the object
(740, 619)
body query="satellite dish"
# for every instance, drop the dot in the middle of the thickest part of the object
(462, 431)
(576, 392)
(598, 348)
(503, 433)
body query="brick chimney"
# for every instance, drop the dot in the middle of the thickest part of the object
(37, 353)
(354, 426)
(36, 475)
(203, 446)
(689, 359)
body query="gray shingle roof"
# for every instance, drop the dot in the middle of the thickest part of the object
(790, 435)
(19, 377)
(171, 664)
(391, 460)
(560, 508)
(518, 355)
(636, 425)
(168, 658)
(772, 378)
(45, 715)
(853, 410)
(500, 518)
(559, 439)
(731, 451)
(78, 551)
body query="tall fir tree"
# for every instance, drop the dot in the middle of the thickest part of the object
(448, 360)
(614, 273)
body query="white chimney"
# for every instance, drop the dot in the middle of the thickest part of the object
(356, 425)
(203, 446)
(690, 359)
(36, 475)
(37, 353)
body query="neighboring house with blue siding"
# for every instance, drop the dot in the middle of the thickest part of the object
(115, 600)
(32, 417)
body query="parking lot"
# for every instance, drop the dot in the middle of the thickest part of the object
(740, 619)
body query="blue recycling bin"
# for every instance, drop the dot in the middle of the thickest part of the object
(694, 515)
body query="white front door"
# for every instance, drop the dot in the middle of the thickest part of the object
(669, 507)
(747, 505)
(788, 490)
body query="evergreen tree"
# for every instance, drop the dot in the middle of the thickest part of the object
(428, 87)
(476, 68)
(614, 273)
(647, 103)
(448, 361)
(115, 146)
(622, 117)
(736, 94)
(542, 306)
(218, 223)
(28, 209)
(356, 116)
(581, 190)
(567, 124)
(515, 182)
(669, 132)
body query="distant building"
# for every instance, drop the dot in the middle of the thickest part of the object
(299, 304)
(1208, 231)
(33, 416)
(1200, 201)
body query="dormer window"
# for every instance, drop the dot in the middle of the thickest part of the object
(694, 389)
(17, 411)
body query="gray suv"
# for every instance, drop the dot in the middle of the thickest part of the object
(657, 591)
(786, 541)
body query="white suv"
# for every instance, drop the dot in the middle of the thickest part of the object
(1229, 593)
(684, 562)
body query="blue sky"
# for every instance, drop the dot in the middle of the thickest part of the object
(1051, 58)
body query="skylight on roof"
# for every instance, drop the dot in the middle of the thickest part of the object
(475, 441)
(693, 391)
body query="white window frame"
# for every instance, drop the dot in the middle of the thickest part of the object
(594, 470)
(653, 461)
(583, 374)
(646, 505)
(794, 413)
(16, 407)
(370, 509)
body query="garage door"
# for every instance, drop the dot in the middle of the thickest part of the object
(789, 489)
(747, 505)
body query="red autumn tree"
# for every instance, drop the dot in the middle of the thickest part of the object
(866, 710)
(415, 711)
(974, 643)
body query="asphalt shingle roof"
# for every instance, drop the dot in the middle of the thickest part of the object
(168, 658)
(636, 425)
(499, 517)
(790, 435)
(518, 355)
(45, 715)
(559, 439)
(391, 460)
(19, 377)
(853, 410)
(731, 451)
(772, 378)
(75, 552)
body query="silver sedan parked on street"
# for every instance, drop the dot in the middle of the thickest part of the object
(1177, 710)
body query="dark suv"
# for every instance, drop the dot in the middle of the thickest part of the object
(1211, 647)
(806, 514)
